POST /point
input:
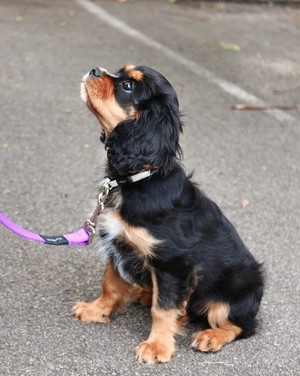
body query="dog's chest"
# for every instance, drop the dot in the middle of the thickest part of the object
(127, 247)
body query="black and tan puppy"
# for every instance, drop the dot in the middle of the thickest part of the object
(166, 243)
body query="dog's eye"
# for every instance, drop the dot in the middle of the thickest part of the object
(127, 86)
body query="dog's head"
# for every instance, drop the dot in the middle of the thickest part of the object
(138, 110)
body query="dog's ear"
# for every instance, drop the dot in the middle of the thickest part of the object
(151, 139)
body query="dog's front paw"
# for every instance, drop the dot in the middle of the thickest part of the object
(153, 352)
(91, 312)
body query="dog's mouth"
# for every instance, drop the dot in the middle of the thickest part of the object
(85, 97)
(84, 93)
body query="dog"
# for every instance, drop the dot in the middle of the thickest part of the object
(166, 243)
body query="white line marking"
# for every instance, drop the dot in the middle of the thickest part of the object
(228, 87)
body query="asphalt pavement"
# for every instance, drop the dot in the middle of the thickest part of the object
(216, 55)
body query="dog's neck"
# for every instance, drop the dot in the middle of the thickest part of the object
(111, 171)
(115, 181)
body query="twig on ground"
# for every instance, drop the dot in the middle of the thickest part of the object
(265, 107)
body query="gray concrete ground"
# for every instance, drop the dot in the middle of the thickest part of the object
(51, 160)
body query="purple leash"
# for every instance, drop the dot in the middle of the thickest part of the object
(85, 234)
(81, 237)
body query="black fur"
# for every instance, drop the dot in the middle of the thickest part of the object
(153, 139)
(202, 256)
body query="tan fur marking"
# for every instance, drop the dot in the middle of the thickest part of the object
(141, 295)
(101, 101)
(217, 314)
(115, 295)
(150, 167)
(99, 88)
(110, 114)
(128, 67)
(160, 345)
(222, 332)
(132, 73)
(136, 75)
(137, 237)
(183, 319)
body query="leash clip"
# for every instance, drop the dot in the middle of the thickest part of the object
(90, 228)
(103, 193)
(90, 224)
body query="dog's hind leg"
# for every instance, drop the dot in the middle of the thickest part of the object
(115, 295)
(222, 329)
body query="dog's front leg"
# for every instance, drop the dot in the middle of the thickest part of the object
(115, 294)
(160, 345)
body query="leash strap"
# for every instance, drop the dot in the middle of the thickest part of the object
(79, 237)
(85, 234)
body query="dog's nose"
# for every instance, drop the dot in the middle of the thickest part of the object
(96, 72)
